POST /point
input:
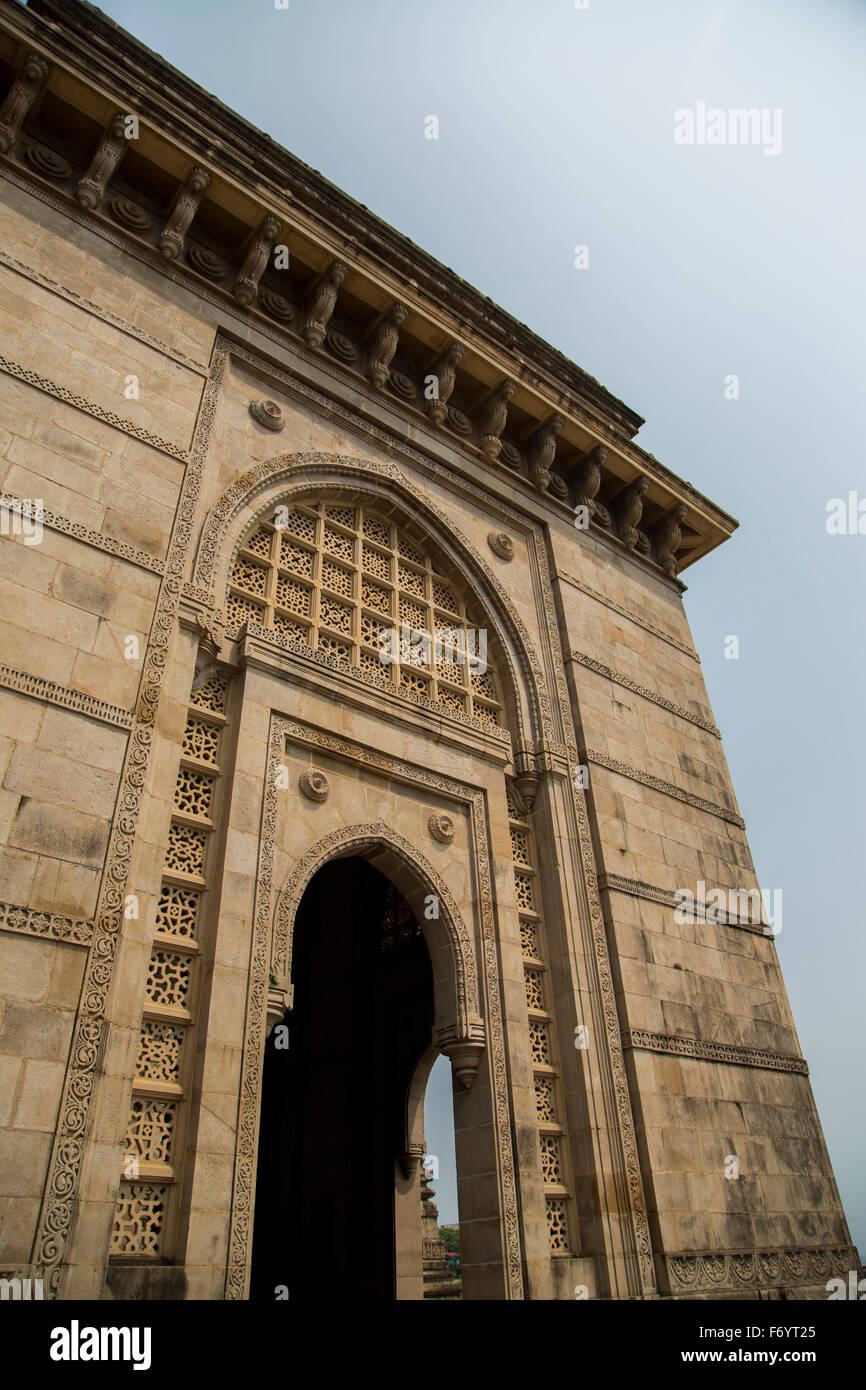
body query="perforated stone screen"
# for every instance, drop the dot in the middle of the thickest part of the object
(344, 580)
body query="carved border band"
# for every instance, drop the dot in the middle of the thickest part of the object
(53, 694)
(627, 613)
(755, 1268)
(667, 788)
(635, 888)
(55, 522)
(69, 1142)
(61, 393)
(619, 679)
(645, 1041)
(48, 925)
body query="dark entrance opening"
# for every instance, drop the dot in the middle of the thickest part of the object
(334, 1101)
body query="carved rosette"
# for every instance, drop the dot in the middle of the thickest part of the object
(666, 536)
(246, 285)
(22, 95)
(48, 163)
(129, 214)
(441, 827)
(322, 303)
(268, 414)
(501, 544)
(383, 344)
(276, 305)
(181, 213)
(541, 451)
(89, 191)
(445, 372)
(628, 508)
(314, 785)
(207, 262)
(492, 419)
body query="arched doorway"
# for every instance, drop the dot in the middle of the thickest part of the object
(334, 1100)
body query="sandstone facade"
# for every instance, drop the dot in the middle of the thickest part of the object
(223, 480)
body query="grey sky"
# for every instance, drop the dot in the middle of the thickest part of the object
(556, 129)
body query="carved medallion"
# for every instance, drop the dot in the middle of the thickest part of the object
(341, 347)
(501, 545)
(267, 413)
(314, 785)
(458, 421)
(403, 386)
(275, 305)
(207, 263)
(441, 828)
(509, 455)
(49, 164)
(129, 214)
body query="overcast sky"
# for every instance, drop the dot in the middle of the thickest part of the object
(556, 129)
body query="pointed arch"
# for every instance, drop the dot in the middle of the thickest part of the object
(294, 477)
(454, 971)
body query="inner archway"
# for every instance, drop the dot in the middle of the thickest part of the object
(336, 1078)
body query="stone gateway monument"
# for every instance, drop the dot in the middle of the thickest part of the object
(350, 717)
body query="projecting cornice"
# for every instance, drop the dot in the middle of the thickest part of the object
(200, 188)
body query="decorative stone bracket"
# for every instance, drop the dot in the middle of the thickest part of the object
(463, 1047)
(279, 1000)
(408, 1162)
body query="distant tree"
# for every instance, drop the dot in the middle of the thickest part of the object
(450, 1236)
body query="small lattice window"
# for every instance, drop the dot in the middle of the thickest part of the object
(194, 792)
(344, 581)
(159, 1050)
(211, 693)
(520, 847)
(168, 978)
(177, 910)
(551, 1167)
(150, 1129)
(534, 996)
(525, 892)
(240, 610)
(545, 1102)
(297, 558)
(539, 1041)
(260, 542)
(139, 1219)
(201, 741)
(249, 576)
(186, 849)
(529, 939)
(557, 1228)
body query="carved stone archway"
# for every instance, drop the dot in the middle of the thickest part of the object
(458, 1023)
(460, 1030)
